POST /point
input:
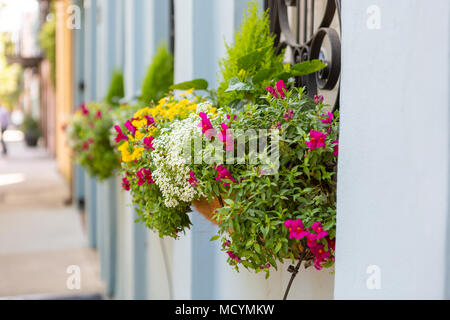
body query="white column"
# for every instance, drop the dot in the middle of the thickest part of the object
(393, 177)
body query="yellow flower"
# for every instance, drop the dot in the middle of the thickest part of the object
(139, 135)
(190, 91)
(139, 123)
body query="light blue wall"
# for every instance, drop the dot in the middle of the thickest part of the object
(90, 36)
(393, 175)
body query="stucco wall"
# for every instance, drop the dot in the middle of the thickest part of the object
(394, 150)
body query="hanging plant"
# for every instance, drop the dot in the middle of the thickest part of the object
(284, 208)
(88, 133)
(153, 170)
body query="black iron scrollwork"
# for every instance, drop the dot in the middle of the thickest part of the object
(307, 41)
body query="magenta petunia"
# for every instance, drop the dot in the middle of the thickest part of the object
(125, 184)
(335, 148)
(120, 135)
(192, 180)
(150, 120)
(318, 98)
(296, 229)
(130, 127)
(205, 124)
(281, 88)
(328, 120)
(225, 136)
(84, 110)
(144, 176)
(318, 229)
(223, 173)
(272, 92)
(148, 142)
(317, 140)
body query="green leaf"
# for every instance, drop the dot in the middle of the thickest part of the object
(252, 58)
(214, 238)
(307, 67)
(237, 85)
(263, 74)
(257, 248)
(196, 84)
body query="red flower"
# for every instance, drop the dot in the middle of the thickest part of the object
(125, 184)
(318, 98)
(336, 148)
(84, 110)
(85, 146)
(144, 176)
(99, 114)
(192, 180)
(328, 120)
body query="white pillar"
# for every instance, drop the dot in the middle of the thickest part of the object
(393, 177)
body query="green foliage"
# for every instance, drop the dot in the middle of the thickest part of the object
(159, 76)
(9, 74)
(116, 89)
(196, 84)
(89, 138)
(257, 204)
(253, 50)
(47, 40)
(31, 126)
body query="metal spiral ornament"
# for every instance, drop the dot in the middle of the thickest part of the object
(307, 41)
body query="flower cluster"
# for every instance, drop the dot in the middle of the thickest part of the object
(88, 133)
(269, 218)
(314, 240)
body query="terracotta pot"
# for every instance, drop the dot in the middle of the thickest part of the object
(207, 209)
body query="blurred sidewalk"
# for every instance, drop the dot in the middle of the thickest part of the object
(39, 236)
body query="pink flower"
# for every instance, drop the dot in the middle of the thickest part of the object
(226, 137)
(223, 173)
(99, 114)
(150, 120)
(335, 148)
(148, 142)
(331, 243)
(289, 115)
(296, 229)
(84, 110)
(144, 176)
(130, 127)
(272, 92)
(328, 120)
(91, 141)
(206, 126)
(227, 243)
(317, 140)
(85, 146)
(233, 256)
(125, 184)
(311, 240)
(192, 180)
(281, 87)
(120, 135)
(318, 229)
(318, 98)
(320, 255)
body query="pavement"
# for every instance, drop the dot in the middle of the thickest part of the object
(43, 247)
